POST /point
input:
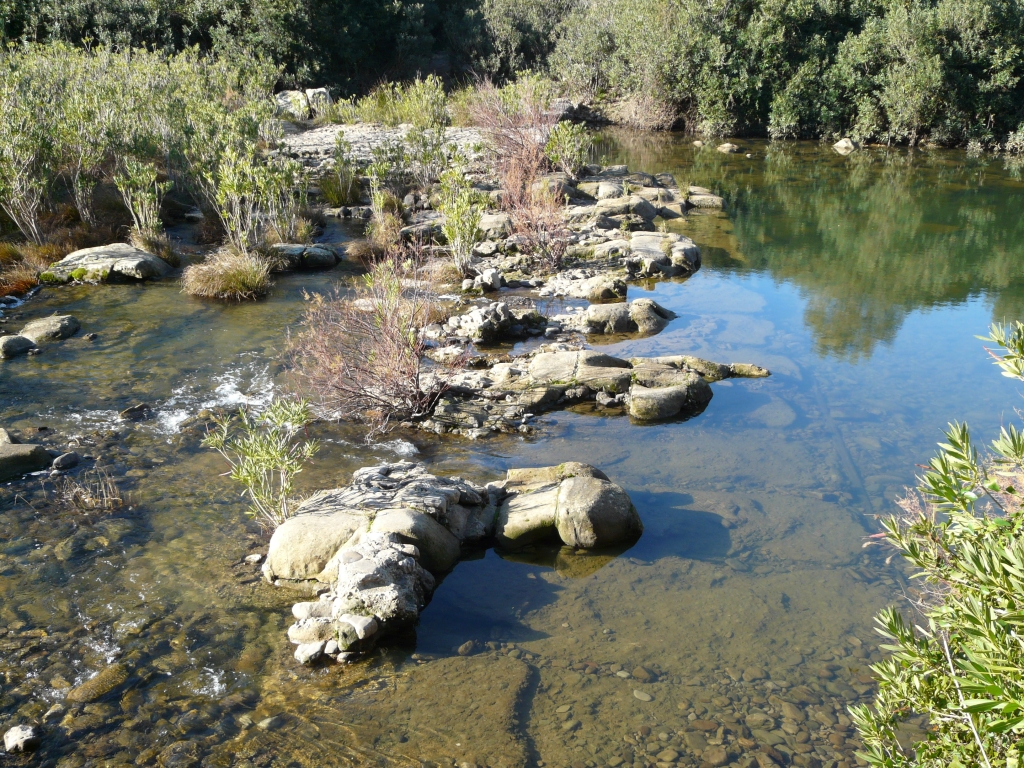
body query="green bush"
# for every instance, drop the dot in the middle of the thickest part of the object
(461, 218)
(569, 147)
(266, 456)
(961, 663)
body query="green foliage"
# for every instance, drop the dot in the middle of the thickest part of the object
(340, 185)
(568, 147)
(421, 103)
(139, 185)
(429, 153)
(963, 666)
(891, 71)
(461, 217)
(266, 456)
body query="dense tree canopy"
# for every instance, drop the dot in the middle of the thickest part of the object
(899, 71)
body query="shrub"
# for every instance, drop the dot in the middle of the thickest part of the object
(142, 192)
(422, 103)
(429, 153)
(961, 664)
(461, 218)
(361, 355)
(340, 185)
(266, 456)
(228, 274)
(569, 147)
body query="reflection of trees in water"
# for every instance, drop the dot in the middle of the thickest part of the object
(869, 237)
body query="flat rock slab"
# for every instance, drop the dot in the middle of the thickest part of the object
(53, 328)
(20, 459)
(117, 262)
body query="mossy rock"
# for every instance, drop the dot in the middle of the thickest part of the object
(50, 277)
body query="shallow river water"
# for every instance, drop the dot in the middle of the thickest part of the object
(861, 282)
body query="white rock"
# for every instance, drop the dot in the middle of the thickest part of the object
(21, 738)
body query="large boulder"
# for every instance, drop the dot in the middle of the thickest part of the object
(291, 256)
(112, 263)
(439, 549)
(51, 328)
(690, 396)
(319, 101)
(19, 459)
(595, 370)
(303, 545)
(581, 285)
(592, 512)
(292, 105)
(495, 226)
(571, 502)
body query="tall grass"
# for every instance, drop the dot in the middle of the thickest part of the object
(421, 103)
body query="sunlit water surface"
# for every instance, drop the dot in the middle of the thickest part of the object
(861, 282)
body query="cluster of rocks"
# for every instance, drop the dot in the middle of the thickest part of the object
(18, 459)
(37, 332)
(289, 257)
(371, 550)
(494, 321)
(644, 317)
(504, 396)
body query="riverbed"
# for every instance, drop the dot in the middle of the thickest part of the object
(861, 282)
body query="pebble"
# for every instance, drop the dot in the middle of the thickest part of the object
(643, 674)
(623, 674)
(467, 648)
(254, 559)
(564, 708)
(642, 696)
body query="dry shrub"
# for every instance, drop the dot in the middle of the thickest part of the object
(384, 232)
(228, 274)
(538, 219)
(363, 252)
(515, 123)
(644, 110)
(156, 243)
(361, 356)
(97, 491)
(17, 278)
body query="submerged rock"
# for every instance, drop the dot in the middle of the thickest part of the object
(108, 678)
(12, 346)
(51, 328)
(106, 264)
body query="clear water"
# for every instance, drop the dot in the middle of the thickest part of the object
(861, 282)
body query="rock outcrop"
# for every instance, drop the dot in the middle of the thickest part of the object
(560, 375)
(117, 262)
(643, 316)
(18, 459)
(372, 549)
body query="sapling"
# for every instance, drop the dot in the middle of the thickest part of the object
(266, 456)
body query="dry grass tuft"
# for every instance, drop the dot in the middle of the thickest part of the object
(96, 492)
(644, 111)
(157, 244)
(228, 274)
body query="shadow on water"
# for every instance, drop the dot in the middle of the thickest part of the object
(673, 529)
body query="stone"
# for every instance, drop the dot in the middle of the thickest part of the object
(490, 280)
(845, 146)
(704, 200)
(292, 105)
(254, 559)
(6, 438)
(655, 404)
(467, 648)
(727, 148)
(319, 101)
(715, 756)
(495, 226)
(302, 546)
(22, 738)
(51, 328)
(12, 346)
(668, 756)
(642, 695)
(106, 680)
(643, 316)
(638, 206)
(608, 189)
(137, 412)
(528, 518)
(596, 370)
(315, 257)
(595, 513)
(595, 288)
(20, 459)
(308, 653)
(66, 461)
(315, 629)
(439, 549)
(793, 712)
(117, 262)
(270, 723)
(643, 674)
